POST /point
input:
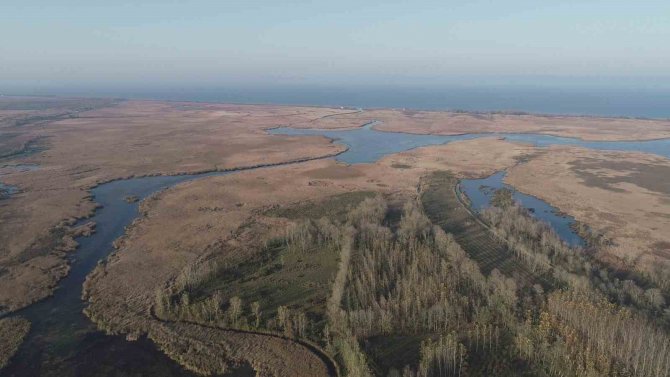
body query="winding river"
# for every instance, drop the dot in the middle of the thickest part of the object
(480, 192)
(63, 341)
(369, 145)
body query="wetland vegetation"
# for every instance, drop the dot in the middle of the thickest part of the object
(12, 332)
(383, 268)
(422, 287)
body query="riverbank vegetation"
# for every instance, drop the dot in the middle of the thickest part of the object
(595, 324)
(537, 245)
(119, 139)
(598, 189)
(589, 321)
(12, 332)
(381, 289)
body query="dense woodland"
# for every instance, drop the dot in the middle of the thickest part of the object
(405, 278)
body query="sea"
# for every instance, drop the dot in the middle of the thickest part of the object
(618, 101)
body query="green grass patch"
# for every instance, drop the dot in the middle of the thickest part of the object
(334, 207)
(393, 352)
(282, 277)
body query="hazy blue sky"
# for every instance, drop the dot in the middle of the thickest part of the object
(210, 41)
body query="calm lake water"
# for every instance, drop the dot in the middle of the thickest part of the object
(367, 145)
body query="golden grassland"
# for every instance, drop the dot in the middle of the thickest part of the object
(452, 123)
(230, 218)
(125, 140)
(397, 277)
(623, 196)
(79, 143)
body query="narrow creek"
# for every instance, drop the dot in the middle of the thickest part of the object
(480, 192)
(367, 145)
(63, 341)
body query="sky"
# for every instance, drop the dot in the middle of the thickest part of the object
(209, 42)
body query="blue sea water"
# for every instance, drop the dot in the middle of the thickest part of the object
(635, 100)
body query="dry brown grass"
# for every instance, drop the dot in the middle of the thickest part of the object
(179, 227)
(451, 123)
(472, 158)
(622, 195)
(209, 350)
(224, 216)
(137, 138)
(12, 332)
(131, 139)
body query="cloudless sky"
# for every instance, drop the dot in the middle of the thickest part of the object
(345, 41)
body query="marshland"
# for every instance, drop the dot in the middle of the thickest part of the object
(320, 242)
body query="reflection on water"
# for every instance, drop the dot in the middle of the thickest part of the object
(660, 147)
(480, 192)
(63, 341)
(368, 145)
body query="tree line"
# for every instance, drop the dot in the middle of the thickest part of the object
(410, 278)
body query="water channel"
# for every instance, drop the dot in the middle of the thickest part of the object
(62, 340)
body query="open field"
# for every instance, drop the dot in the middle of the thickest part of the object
(22, 118)
(238, 270)
(467, 159)
(452, 123)
(624, 196)
(230, 218)
(80, 143)
(128, 139)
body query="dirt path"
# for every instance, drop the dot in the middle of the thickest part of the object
(330, 364)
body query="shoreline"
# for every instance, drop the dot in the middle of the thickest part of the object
(356, 109)
(195, 175)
